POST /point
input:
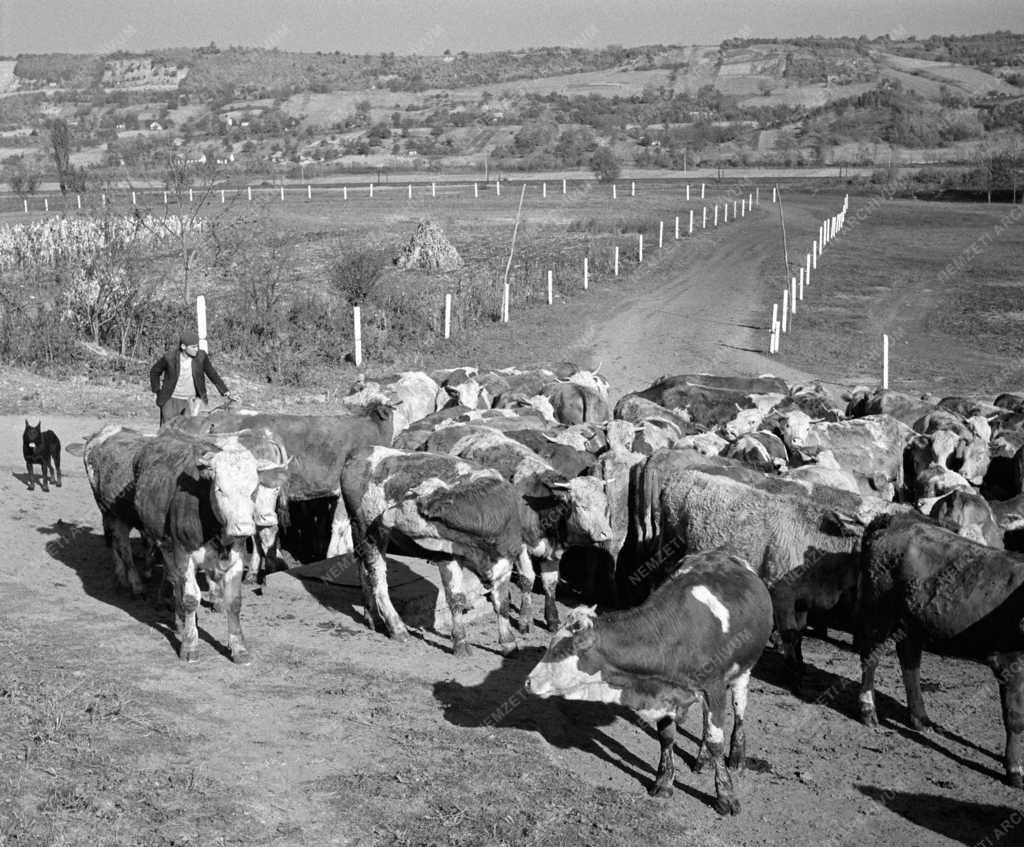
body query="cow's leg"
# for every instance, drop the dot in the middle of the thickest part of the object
(31, 476)
(909, 651)
(500, 600)
(341, 531)
(231, 594)
(374, 573)
(869, 655)
(662, 786)
(738, 743)
(182, 565)
(703, 756)
(451, 579)
(549, 581)
(525, 577)
(1011, 696)
(121, 548)
(727, 802)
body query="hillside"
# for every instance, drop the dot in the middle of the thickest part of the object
(745, 101)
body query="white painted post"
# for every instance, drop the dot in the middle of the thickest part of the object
(201, 322)
(800, 284)
(615, 193)
(691, 223)
(807, 268)
(497, 187)
(222, 198)
(792, 295)
(344, 192)
(563, 186)
(448, 315)
(25, 202)
(757, 197)
(704, 218)
(190, 195)
(250, 193)
(309, 192)
(476, 190)
(716, 215)
(743, 208)
(632, 189)
(371, 190)
(357, 337)
(773, 339)
(79, 198)
(410, 191)
(46, 204)
(814, 255)
(551, 286)
(661, 234)
(702, 191)
(785, 309)
(774, 194)
(616, 260)
(282, 193)
(103, 201)
(725, 212)
(750, 202)
(885, 362)
(734, 210)
(433, 189)
(677, 227)
(133, 198)
(506, 296)
(543, 189)
(640, 253)
(165, 198)
(586, 273)
(687, 192)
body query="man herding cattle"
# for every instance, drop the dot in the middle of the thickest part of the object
(184, 370)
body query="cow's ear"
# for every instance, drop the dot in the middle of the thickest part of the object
(841, 523)
(583, 640)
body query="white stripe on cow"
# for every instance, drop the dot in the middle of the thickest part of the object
(703, 594)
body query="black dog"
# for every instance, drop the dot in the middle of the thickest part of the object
(43, 449)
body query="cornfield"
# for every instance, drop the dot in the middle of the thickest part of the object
(59, 240)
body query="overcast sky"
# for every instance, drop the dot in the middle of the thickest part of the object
(431, 26)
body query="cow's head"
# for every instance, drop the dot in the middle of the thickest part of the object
(587, 503)
(234, 480)
(570, 667)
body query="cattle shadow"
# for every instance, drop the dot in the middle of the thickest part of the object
(82, 550)
(502, 700)
(959, 820)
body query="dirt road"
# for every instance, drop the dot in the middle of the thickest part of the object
(335, 735)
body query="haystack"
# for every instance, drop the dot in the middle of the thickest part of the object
(429, 249)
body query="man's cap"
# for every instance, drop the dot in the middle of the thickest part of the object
(189, 337)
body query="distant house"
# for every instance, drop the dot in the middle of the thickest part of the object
(156, 126)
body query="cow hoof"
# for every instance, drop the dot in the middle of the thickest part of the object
(507, 649)
(1015, 780)
(57, 483)
(661, 789)
(241, 657)
(551, 623)
(727, 806)
(189, 656)
(462, 649)
(738, 766)
(524, 626)
(699, 764)
(920, 723)
(869, 717)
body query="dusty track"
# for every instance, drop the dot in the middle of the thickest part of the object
(338, 736)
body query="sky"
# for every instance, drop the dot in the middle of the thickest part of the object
(432, 26)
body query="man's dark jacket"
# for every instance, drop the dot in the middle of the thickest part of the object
(167, 365)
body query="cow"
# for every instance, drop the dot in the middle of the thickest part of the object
(319, 446)
(576, 404)
(695, 639)
(194, 499)
(815, 400)
(967, 452)
(968, 515)
(1009, 515)
(906, 408)
(412, 394)
(1011, 402)
(921, 583)
(441, 508)
(712, 401)
(109, 459)
(762, 451)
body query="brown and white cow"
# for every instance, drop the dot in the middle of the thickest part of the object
(921, 582)
(694, 640)
(443, 508)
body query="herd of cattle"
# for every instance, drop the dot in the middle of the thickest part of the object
(701, 514)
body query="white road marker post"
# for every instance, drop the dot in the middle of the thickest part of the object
(586, 273)
(687, 192)
(677, 228)
(773, 340)
(750, 202)
(165, 199)
(551, 286)
(716, 216)
(79, 198)
(704, 218)
(885, 362)
(743, 208)
(632, 189)
(800, 284)
(757, 197)
(785, 309)
(661, 234)
(282, 193)
(249, 189)
(616, 260)
(448, 315)
(190, 195)
(476, 190)
(702, 191)
(344, 192)
(725, 212)
(371, 190)
(814, 255)
(410, 191)
(25, 204)
(506, 298)
(792, 295)
(201, 322)
(691, 223)
(807, 268)
(497, 188)
(563, 186)
(357, 337)
(543, 189)
(640, 250)
(309, 192)
(615, 193)
(775, 191)
(734, 210)
(433, 189)
(222, 198)
(133, 198)
(46, 204)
